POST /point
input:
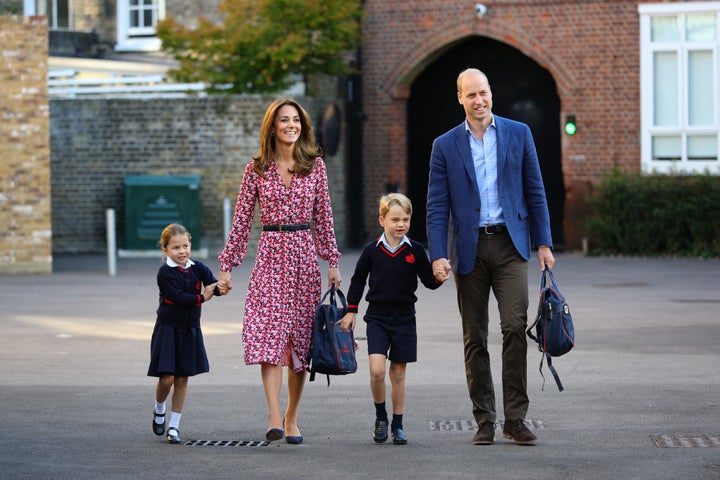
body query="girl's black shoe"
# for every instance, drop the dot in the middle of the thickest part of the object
(173, 435)
(158, 428)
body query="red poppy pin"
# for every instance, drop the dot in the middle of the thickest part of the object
(410, 258)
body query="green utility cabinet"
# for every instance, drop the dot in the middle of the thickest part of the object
(152, 202)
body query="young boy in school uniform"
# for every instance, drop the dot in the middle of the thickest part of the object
(391, 265)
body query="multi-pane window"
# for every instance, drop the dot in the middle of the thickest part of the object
(143, 16)
(137, 21)
(680, 84)
(57, 12)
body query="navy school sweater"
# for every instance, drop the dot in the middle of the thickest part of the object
(392, 278)
(181, 294)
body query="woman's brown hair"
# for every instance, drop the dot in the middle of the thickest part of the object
(305, 151)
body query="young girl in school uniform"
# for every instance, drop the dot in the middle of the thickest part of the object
(177, 350)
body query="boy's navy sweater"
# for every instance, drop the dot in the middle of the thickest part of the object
(392, 278)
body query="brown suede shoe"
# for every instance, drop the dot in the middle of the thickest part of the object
(518, 432)
(485, 434)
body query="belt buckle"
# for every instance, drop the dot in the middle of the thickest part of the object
(280, 227)
(492, 229)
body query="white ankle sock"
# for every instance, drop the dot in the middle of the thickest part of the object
(159, 409)
(174, 420)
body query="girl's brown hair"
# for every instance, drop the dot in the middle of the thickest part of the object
(170, 231)
(305, 151)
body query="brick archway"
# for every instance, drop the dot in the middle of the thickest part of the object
(579, 43)
(414, 60)
(540, 109)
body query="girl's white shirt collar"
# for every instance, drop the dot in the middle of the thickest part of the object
(171, 263)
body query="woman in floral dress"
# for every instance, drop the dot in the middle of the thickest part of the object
(288, 180)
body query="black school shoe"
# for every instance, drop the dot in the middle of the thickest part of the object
(380, 433)
(399, 436)
(158, 428)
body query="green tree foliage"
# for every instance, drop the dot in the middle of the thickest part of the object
(261, 43)
(11, 7)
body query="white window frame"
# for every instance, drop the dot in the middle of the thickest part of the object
(136, 39)
(30, 8)
(647, 128)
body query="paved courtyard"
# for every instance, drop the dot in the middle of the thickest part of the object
(642, 398)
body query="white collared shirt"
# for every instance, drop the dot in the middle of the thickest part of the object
(171, 263)
(384, 241)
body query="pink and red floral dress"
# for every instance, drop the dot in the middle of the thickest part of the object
(285, 284)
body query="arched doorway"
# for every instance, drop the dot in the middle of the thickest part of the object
(522, 90)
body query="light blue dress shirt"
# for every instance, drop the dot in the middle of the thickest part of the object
(484, 155)
(384, 241)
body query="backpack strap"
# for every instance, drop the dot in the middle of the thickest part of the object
(312, 377)
(530, 328)
(332, 292)
(552, 370)
(543, 277)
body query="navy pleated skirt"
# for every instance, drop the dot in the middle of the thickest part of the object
(178, 351)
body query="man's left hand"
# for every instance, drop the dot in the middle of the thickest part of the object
(546, 258)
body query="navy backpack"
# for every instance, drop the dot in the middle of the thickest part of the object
(554, 330)
(333, 351)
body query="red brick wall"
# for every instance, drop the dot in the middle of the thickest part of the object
(591, 48)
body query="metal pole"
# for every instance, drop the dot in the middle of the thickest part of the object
(227, 212)
(111, 243)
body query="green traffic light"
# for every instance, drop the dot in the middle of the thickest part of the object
(570, 126)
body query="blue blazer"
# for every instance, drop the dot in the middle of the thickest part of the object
(453, 202)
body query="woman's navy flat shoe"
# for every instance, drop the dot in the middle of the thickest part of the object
(294, 440)
(274, 434)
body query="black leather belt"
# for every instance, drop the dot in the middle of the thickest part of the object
(492, 229)
(286, 227)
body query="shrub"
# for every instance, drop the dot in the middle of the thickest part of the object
(652, 215)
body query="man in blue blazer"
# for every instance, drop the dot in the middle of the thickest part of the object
(486, 201)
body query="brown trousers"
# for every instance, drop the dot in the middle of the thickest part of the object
(498, 266)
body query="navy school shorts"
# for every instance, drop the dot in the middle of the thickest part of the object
(398, 335)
